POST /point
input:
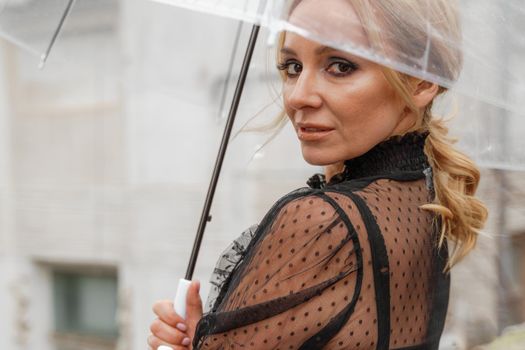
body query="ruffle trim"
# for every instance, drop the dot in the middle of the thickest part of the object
(397, 154)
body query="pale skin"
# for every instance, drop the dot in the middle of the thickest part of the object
(340, 106)
(169, 328)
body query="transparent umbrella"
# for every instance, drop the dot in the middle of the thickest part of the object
(33, 25)
(482, 65)
(486, 41)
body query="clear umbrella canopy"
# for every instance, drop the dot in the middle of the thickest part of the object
(33, 24)
(474, 47)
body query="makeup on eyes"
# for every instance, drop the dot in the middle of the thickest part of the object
(349, 66)
(287, 66)
(345, 66)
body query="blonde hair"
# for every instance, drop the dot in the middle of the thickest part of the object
(456, 177)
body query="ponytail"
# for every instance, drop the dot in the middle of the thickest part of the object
(456, 180)
(456, 177)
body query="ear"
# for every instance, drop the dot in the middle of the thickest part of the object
(424, 93)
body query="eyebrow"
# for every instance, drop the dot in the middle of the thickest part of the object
(319, 51)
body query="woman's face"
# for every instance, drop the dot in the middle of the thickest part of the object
(340, 105)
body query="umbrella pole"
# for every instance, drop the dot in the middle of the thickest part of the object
(205, 217)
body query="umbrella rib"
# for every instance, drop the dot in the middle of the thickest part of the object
(45, 55)
(230, 68)
(205, 217)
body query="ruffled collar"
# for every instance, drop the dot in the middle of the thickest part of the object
(395, 155)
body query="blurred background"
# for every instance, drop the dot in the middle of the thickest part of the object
(105, 159)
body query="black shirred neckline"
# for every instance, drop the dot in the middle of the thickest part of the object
(402, 153)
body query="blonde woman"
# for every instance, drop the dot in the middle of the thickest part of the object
(359, 259)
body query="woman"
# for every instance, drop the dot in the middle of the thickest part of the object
(359, 260)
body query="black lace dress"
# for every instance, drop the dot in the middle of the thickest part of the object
(352, 264)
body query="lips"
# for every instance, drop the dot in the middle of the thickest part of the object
(313, 132)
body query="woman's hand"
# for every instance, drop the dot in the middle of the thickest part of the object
(170, 329)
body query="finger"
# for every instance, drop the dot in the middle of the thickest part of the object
(155, 342)
(164, 310)
(193, 303)
(167, 333)
(193, 307)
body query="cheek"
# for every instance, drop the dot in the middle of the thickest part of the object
(368, 113)
(369, 105)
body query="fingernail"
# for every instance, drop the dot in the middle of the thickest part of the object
(181, 327)
(197, 283)
(186, 341)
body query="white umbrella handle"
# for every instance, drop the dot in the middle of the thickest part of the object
(179, 303)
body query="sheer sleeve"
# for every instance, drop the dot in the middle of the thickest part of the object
(299, 281)
(228, 261)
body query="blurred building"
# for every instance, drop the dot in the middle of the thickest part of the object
(105, 158)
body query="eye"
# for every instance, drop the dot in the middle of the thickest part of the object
(291, 68)
(341, 68)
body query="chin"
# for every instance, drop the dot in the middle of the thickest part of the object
(319, 158)
(323, 156)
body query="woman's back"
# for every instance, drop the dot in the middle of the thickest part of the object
(350, 265)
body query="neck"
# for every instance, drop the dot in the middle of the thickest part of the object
(398, 154)
(333, 169)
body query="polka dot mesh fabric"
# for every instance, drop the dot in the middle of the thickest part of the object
(350, 265)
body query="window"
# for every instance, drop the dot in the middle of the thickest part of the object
(85, 304)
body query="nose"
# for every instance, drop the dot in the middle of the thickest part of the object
(304, 91)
